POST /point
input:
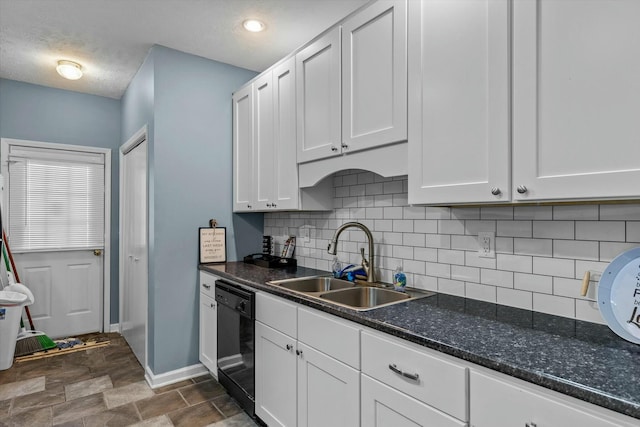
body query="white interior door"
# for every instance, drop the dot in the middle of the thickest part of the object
(133, 245)
(55, 204)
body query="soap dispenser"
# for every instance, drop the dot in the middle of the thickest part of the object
(336, 267)
(399, 279)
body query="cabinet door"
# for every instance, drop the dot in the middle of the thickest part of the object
(498, 403)
(318, 95)
(286, 166)
(383, 406)
(576, 99)
(243, 149)
(208, 333)
(263, 142)
(275, 377)
(374, 76)
(328, 391)
(459, 115)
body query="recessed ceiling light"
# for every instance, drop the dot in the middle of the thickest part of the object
(253, 25)
(69, 70)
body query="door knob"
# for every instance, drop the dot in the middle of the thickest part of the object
(97, 252)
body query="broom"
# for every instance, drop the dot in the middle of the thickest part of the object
(27, 342)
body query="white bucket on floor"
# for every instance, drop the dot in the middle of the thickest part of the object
(11, 304)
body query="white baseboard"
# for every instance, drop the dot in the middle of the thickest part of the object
(114, 327)
(175, 376)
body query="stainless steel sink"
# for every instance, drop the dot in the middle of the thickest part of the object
(359, 296)
(365, 297)
(313, 284)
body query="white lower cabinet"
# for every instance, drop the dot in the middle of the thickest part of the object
(500, 401)
(208, 323)
(383, 406)
(328, 390)
(296, 384)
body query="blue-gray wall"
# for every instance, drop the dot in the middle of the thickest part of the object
(39, 113)
(185, 101)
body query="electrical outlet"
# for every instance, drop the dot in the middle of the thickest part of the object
(487, 244)
(304, 233)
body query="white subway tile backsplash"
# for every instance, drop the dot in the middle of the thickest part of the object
(542, 252)
(515, 298)
(425, 254)
(474, 227)
(621, 212)
(414, 212)
(451, 287)
(553, 229)
(538, 247)
(425, 226)
(392, 213)
(496, 213)
(480, 292)
(466, 274)
(576, 212)
(610, 250)
(450, 226)
(468, 243)
(413, 239)
(551, 304)
(520, 263)
(576, 249)
(438, 241)
(533, 283)
(403, 225)
(532, 212)
(611, 231)
(554, 267)
(447, 256)
(589, 312)
(465, 213)
(392, 187)
(503, 279)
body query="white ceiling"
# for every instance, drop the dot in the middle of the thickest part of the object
(111, 38)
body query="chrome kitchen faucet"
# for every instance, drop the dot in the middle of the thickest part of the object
(368, 265)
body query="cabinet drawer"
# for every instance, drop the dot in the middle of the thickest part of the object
(208, 284)
(384, 406)
(330, 335)
(279, 314)
(439, 383)
(504, 402)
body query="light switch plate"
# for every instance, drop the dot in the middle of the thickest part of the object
(487, 244)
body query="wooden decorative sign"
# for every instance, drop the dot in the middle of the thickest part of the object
(213, 245)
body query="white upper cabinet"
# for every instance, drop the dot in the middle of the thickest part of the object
(318, 95)
(374, 76)
(243, 149)
(285, 173)
(263, 141)
(459, 148)
(576, 99)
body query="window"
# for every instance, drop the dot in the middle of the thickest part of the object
(56, 199)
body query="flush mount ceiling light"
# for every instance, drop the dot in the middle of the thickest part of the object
(253, 25)
(69, 70)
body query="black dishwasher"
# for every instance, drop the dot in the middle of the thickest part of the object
(236, 342)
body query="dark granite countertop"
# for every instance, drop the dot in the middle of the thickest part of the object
(580, 359)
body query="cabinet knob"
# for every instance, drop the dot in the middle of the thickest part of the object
(212, 305)
(334, 148)
(249, 206)
(204, 285)
(522, 189)
(268, 205)
(345, 145)
(273, 205)
(299, 353)
(289, 347)
(496, 191)
(530, 425)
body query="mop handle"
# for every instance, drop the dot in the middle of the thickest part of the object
(5, 250)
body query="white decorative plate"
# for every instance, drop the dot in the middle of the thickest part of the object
(619, 295)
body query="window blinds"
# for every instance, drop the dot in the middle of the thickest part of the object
(56, 199)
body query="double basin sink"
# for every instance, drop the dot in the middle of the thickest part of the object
(361, 296)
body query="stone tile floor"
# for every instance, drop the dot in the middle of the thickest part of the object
(106, 387)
